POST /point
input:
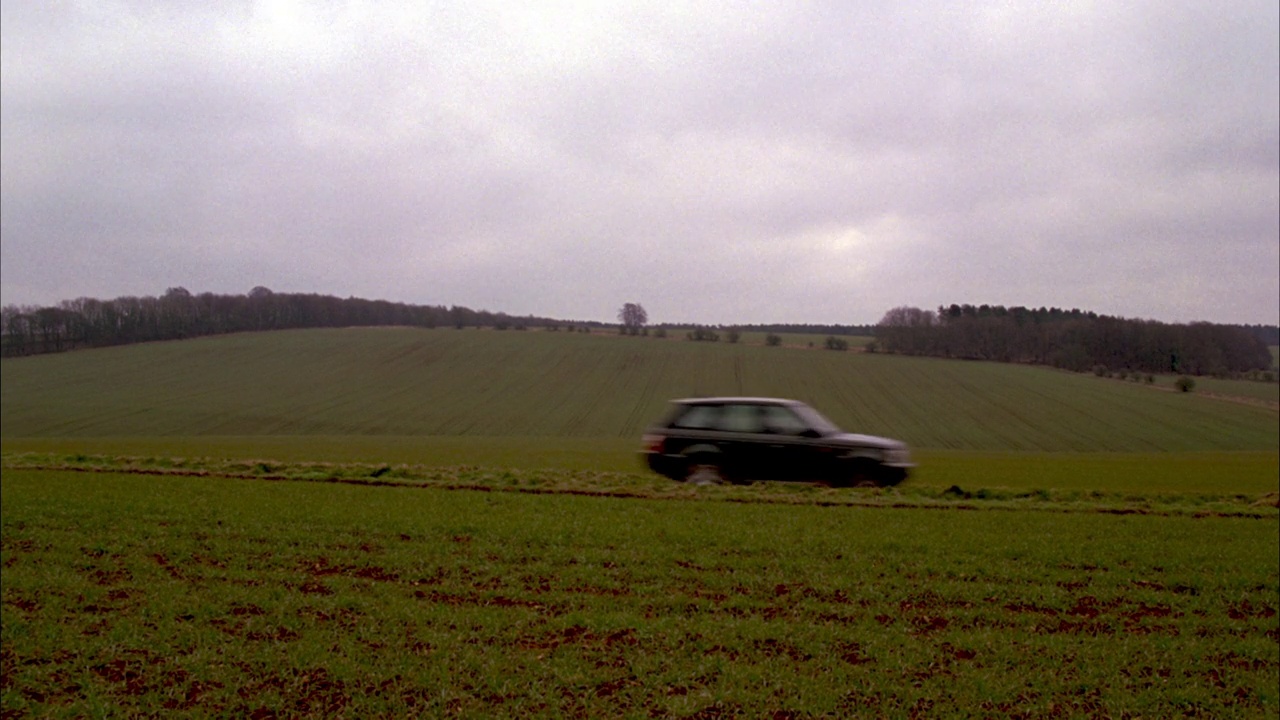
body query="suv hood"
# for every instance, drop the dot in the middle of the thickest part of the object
(854, 439)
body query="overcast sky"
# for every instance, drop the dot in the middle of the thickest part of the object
(715, 162)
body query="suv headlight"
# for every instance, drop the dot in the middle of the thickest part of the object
(897, 456)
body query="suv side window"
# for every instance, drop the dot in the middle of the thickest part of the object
(698, 417)
(782, 420)
(741, 418)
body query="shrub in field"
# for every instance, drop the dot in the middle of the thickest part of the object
(1185, 384)
(835, 343)
(1100, 370)
(772, 340)
(732, 336)
(871, 347)
(703, 335)
(659, 332)
(1150, 379)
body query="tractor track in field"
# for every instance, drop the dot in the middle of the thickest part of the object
(958, 499)
(1241, 400)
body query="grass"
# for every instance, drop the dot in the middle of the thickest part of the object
(427, 523)
(1227, 496)
(1247, 473)
(133, 595)
(579, 402)
(448, 383)
(602, 454)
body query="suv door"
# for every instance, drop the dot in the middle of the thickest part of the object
(745, 444)
(692, 426)
(792, 444)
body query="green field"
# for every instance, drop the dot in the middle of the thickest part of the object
(215, 597)
(399, 522)
(446, 383)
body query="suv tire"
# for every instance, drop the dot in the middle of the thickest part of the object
(704, 471)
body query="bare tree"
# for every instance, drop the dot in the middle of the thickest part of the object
(633, 318)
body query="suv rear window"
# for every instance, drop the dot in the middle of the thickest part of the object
(742, 418)
(697, 417)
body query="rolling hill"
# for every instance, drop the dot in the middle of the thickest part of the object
(385, 382)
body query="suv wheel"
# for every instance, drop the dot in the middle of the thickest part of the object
(862, 474)
(701, 471)
(890, 477)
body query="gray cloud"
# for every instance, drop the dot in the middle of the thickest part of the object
(718, 165)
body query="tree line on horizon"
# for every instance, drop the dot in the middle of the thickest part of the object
(179, 314)
(1070, 339)
(1075, 340)
(796, 328)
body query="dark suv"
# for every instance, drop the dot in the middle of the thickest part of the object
(740, 439)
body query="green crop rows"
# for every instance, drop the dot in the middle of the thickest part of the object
(401, 382)
(128, 594)
(397, 522)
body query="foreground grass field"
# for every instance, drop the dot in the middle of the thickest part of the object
(130, 594)
(402, 522)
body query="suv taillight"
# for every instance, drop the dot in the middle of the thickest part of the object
(652, 443)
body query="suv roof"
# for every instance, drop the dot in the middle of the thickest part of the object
(736, 401)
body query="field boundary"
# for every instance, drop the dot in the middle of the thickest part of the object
(628, 486)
